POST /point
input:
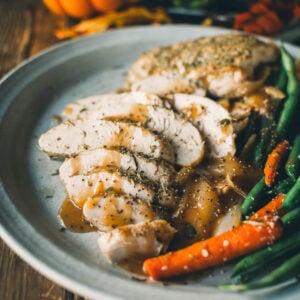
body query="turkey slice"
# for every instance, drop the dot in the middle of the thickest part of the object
(142, 240)
(72, 137)
(88, 161)
(213, 121)
(80, 187)
(184, 136)
(113, 210)
(81, 108)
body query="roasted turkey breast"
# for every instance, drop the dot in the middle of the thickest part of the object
(141, 240)
(229, 65)
(112, 210)
(83, 107)
(185, 138)
(73, 137)
(213, 121)
(87, 162)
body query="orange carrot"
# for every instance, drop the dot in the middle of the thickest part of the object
(269, 210)
(273, 161)
(249, 236)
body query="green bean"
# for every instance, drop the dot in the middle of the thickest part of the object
(268, 136)
(291, 220)
(259, 260)
(292, 166)
(284, 186)
(290, 105)
(264, 140)
(286, 271)
(252, 200)
(282, 78)
(292, 198)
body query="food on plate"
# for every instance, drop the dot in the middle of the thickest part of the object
(213, 121)
(184, 136)
(195, 211)
(145, 239)
(273, 162)
(72, 137)
(83, 107)
(111, 210)
(228, 65)
(157, 170)
(199, 158)
(218, 249)
(81, 187)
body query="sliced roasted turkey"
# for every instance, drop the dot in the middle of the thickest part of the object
(80, 187)
(112, 210)
(185, 137)
(81, 108)
(87, 162)
(137, 241)
(72, 137)
(213, 121)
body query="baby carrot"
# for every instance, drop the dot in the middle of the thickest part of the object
(248, 237)
(273, 161)
(270, 209)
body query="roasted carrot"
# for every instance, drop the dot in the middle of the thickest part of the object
(249, 236)
(270, 209)
(273, 161)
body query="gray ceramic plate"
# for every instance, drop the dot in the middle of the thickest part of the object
(31, 193)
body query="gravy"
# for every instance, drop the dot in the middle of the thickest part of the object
(72, 218)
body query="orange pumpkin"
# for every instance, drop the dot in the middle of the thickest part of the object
(84, 8)
(106, 6)
(55, 7)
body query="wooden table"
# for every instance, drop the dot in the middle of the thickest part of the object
(26, 28)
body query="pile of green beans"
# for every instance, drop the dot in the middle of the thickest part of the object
(292, 166)
(261, 259)
(292, 89)
(260, 193)
(288, 270)
(287, 248)
(292, 198)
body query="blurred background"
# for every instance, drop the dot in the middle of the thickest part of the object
(266, 17)
(28, 26)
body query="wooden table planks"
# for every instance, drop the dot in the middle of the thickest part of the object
(26, 28)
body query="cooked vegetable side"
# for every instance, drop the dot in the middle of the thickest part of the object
(249, 236)
(195, 165)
